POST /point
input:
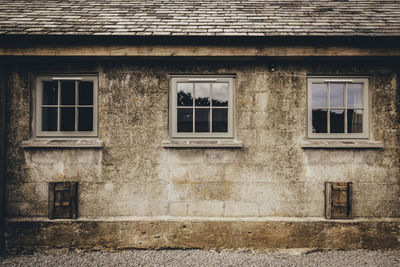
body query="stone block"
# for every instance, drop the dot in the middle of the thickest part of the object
(245, 120)
(186, 156)
(178, 208)
(261, 100)
(220, 156)
(240, 209)
(206, 208)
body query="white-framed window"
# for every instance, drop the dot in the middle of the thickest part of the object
(338, 107)
(66, 106)
(201, 106)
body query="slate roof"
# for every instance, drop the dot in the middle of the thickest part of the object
(201, 17)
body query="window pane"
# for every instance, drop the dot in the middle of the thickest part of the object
(50, 93)
(49, 119)
(202, 93)
(354, 121)
(85, 119)
(337, 94)
(354, 94)
(85, 93)
(220, 94)
(320, 121)
(319, 94)
(220, 120)
(67, 119)
(67, 92)
(185, 94)
(202, 123)
(185, 120)
(337, 121)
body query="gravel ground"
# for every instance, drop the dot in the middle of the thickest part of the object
(205, 258)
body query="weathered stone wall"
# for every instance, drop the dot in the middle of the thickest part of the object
(28, 236)
(133, 175)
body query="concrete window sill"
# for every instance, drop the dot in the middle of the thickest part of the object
(342, 144)
(63, 143)
(202, 143)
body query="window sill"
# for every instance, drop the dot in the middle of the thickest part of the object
(63, 143)
(202, 143)
(342, 144)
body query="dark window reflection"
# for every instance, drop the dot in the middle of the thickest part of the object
(202, 123)
(337, 121)
(85, 93)
(354, 121)
(220, 120)
(220, 94)
(185, 120)
(50, 93)
(319, 94)
(49, 119)
(319, 121)
(67, 92)
(67, 119)
(85, 119)
(185, 94)
(337, 94)
(202, 94)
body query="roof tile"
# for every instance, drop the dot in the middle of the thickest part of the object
(205, 17)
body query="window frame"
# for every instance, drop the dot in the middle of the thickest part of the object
(39, 100)
(365, 106)
(173, 107)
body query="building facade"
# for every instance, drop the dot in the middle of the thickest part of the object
(201, 142)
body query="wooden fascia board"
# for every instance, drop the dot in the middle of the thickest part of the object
(197, 50)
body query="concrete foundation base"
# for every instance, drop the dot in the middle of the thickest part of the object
(27, 235)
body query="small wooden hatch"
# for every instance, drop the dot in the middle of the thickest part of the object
(63, 198)
(338, 200)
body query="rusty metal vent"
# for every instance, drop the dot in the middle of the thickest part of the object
(63, 198)
(338, 200)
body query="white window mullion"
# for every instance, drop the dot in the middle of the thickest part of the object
(76, 106)
(347, 121)
(194, 108)
(59, 106)
(345, 108)
(211, 106)
(39, 132)
(176, 79)
(329, 109)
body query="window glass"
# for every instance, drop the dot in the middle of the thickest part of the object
(202, 123)
(220, 120)
(354, 121)
(85, 119)
(354, 95)
(185, 94)
(85, 93)
(67, 119)
(337, 120)
(319, 95)
(67, 92)
(220, 94)
(49, 119)
(185, 120)
(320, 120)
(337, 94)
(50, 93)
(202, 93)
